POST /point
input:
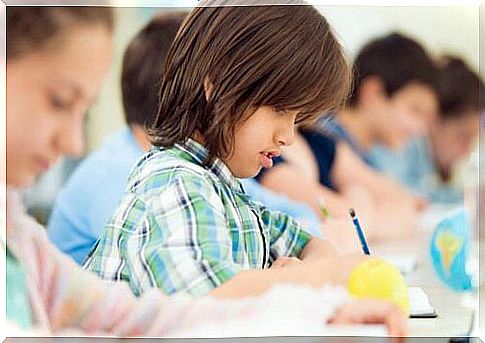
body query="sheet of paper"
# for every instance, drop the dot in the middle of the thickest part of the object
(419, 302)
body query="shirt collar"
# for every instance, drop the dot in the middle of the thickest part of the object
(199, 154)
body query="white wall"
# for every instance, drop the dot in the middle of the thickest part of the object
(107, 114)
(441, 29)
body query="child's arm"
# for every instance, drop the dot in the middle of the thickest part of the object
(88, 306)
(317, 248)
(388, 197)
(314, 273)
(78, 303)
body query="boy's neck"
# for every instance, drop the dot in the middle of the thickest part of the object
(197, 136)
(141, 137)
(357, 123)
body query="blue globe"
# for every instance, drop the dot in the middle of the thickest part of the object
(450, 246)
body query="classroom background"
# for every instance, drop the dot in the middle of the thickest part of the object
(440, 29)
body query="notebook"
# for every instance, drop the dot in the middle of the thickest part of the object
(419, 304)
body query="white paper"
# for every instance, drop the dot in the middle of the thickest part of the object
(419, 302)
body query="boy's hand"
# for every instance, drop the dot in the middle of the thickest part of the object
(339, 267)
(370, 311)
(285, 261)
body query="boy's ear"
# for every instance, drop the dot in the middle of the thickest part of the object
(207, 88)
(371, 90)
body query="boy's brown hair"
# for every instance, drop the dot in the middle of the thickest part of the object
(281, 56)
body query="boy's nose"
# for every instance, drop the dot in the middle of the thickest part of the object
(287, 137)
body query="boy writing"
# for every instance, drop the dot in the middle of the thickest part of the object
(237, 79)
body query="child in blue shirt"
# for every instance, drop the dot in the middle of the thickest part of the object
(393, 96)
(427, 163)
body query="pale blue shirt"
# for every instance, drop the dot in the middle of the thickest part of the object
(413, 166)
(92, 193)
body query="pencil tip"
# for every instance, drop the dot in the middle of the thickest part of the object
(352, 212)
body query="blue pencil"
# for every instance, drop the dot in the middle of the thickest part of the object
(365, 247)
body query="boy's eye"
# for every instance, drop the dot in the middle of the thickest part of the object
(59, 102)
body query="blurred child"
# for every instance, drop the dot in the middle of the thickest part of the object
(427, 163)
(54, 69)
(227, 107)
(392, 99)
(393, 96)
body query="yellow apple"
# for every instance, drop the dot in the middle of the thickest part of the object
(379, 279)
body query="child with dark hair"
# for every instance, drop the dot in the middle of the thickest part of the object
(236, 81)
(427, 163)
(93, 191)
(392, 99)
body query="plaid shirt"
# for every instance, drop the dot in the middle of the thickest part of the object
(185, 227)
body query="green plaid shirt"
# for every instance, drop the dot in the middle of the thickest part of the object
(185, 227)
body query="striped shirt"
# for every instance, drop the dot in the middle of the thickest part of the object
(183, 226)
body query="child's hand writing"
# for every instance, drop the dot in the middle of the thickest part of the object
(285, 261)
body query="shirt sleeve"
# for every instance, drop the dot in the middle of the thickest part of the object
(186, 247)
(287, 236)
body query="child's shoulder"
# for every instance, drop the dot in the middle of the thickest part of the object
(161, 168)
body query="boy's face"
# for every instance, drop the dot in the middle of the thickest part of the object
(453, 139)
(260, 138)
(405, 114)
